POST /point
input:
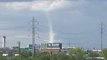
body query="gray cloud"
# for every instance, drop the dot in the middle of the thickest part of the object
(16, 0)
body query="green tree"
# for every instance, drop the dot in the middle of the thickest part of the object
(26, 54)
(93, 54)
(76, 53)
(2, 58)
(105, 53)
(62, 56)
(42, 56)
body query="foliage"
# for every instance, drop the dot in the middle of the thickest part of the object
(41, 56)
(105, 52)
(62, 56)
(76, 54)
(93, 54)
(2, 58)
(26, 54)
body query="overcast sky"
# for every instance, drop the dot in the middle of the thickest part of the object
(74, 21)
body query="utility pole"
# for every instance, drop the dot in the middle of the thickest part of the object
(69, 44)
(19, 47)
(4, 41)
(102, 35)
(33, 37)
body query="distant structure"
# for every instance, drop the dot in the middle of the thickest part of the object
(19, 51)
(33, 37)
(4, 41)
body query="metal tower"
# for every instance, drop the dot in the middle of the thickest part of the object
(33, 37)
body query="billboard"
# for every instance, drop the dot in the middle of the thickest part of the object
(54, 45)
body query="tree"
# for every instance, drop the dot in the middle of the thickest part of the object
(76, 53)
(41, 56)
(26, 54)
(48, 56)
(105, 52)
(2, 58)
(62, 56)
(93, 54)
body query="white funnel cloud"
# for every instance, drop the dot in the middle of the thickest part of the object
(51, 33)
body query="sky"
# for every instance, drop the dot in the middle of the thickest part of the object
(75, 23)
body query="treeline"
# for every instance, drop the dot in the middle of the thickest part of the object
(72, 54)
